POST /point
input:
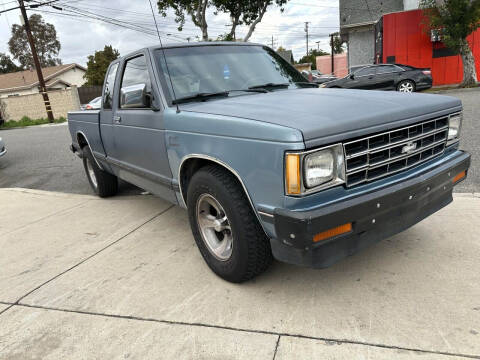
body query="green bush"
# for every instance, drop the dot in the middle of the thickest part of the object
(26, 121)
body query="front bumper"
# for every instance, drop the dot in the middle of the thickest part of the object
(374, 216)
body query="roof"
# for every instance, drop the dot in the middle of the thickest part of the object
(28, 78)
(287, 55)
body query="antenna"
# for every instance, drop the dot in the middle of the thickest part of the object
(163, 52)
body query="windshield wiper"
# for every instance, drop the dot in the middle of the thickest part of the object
(205, 96)
(307, 84)
(269, 85)
(200, 96)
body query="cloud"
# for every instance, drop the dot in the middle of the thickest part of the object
(81, 37)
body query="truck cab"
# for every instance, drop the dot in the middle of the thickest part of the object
(267, 164)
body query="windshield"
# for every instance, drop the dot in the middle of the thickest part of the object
(216, 68)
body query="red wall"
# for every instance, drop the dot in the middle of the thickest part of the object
(405, 38)
(324, 64)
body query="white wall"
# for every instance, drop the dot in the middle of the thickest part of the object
(411, 4)
(73, 76)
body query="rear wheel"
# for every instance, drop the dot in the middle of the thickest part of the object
(406, 86)
(224, 226)
(103, 184)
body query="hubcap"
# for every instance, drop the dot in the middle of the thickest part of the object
(406, 87)
(91, 173)
(214, 227)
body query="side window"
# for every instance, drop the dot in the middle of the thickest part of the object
(135, 85)
(366, 71)
(109, 84)
(387, 69)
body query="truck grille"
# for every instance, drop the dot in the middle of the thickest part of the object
(376, 156)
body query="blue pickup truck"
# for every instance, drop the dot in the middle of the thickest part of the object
(268, 165)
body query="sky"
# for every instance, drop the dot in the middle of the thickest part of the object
(80, 36)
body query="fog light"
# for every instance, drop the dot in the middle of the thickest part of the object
(339, 230)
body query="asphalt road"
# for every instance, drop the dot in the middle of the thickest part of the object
(39, 158)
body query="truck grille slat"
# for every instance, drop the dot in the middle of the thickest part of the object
(376, 156)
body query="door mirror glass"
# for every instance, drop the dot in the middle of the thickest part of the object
(135, 96)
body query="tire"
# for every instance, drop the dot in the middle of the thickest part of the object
(249, 253)
(406, 86)
(103, 184)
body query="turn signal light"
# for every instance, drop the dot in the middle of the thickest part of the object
(339, 230)
(292, 172)
(459, 177)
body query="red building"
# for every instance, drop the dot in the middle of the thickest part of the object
(401, 38)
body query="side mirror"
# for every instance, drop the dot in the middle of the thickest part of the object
(135, 96)
(352, 76)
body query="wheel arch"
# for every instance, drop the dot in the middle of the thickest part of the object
(82, 142)
(190, 164)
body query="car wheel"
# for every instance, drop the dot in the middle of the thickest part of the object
(406, 86)
(224, 226)
(103, 184)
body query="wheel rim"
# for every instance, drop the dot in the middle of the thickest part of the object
(406, 87)
(91, 173)
(214, 227)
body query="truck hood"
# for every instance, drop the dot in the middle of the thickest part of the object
(328, 115)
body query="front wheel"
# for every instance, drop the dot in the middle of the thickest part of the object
(224, 226)
(406, 86)
(103, 184)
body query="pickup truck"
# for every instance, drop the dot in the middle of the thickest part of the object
(268, 165)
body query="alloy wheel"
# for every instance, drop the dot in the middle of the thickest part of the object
(214, 227)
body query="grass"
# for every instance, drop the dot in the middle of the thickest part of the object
(26, 121)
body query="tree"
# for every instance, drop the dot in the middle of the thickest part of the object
(195, 9)
(338, 45)
(245, 12)
(7, 65)
(46, 42)
(455, 20)
(312, 57)
(97, 65)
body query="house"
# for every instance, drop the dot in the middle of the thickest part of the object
(287, 55)
(358, 22)
(56, 78)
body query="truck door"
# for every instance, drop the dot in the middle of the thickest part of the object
(139, 150)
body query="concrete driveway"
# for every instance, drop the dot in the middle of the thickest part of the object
(82, 277)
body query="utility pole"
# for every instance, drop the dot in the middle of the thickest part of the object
(272, 41)
(43, 88)
(332, 53)
(318, 45)
(306, 31)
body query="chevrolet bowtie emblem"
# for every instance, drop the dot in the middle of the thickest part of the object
(408, 148)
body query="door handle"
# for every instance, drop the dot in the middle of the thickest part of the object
(117, 119)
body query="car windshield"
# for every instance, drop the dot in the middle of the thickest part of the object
(213, 69)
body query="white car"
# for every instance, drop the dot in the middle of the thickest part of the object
(3, 149)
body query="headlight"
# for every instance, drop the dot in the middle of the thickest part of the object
(323, 85)
(318, 168)
(454, 127)
(312, 171)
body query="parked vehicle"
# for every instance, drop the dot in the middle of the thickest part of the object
(317, 77)
(95, 104)
(320, 78)
(397, 77)
(3, 149)
(268, 166)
